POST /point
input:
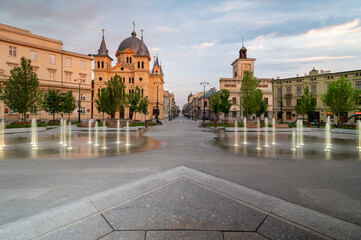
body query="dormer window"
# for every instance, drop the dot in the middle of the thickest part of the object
(156, 72)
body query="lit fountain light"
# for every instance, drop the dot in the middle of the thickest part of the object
(34, 134)
(104, 135)
(64, 133)
(258, 135)
(273, 131)
(245, 131)
(118, 132)
(328, 135)
(293, 141)
(90, 131)
(359, 135)
(266, 145)
(298, 135)
(96, 144)
(61, 132)
(69, 137)
(301, 131)
(235, 134)
(127, 136)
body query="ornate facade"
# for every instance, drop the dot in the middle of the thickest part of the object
(133, 66)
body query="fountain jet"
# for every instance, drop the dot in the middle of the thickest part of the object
(293, 141)
(258, 135)
(118, 132)
(2, 134)
(69, 137)
(266, 133)
(104, 136)
(245, 131)
(127, 136)
(96, 144)
(328, 135)
(359, 134)
(34, 134)
(90, 131)
(235, 134)
(273, 131)
(61, 132)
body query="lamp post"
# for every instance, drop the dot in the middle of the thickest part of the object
(204, 99)
(157, 104)
(79, 82)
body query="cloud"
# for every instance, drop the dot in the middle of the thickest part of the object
(166, 29)
(318, 58)
(205, 45)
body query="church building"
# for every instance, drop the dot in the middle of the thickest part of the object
(133, 66)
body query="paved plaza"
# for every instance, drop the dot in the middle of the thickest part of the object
(186, 189)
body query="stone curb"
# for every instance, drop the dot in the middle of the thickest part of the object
(74, 214)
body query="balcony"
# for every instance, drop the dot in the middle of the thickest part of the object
(288, 95)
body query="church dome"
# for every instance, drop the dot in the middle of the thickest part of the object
(132, 43)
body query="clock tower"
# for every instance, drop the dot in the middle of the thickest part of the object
(242, 64)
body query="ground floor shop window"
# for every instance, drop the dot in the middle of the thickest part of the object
(289, 115)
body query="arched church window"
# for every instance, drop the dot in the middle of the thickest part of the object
(132, 80)
(102, 64)
(98, 64)
(98, 91)
(130, 59)
(138, 64)
(156, 71)
(130, 91)
(127, 59)
(142, 92)
(142, 64)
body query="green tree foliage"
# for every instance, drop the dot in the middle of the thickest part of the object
(258, 104)
(133, 100)
(53, 102)
(113, 97)
(68, 103)
(307, 103)
(248, 92)
(225, 102)
(340, 97)
(143, 105)
(215, 105)
(21, 91)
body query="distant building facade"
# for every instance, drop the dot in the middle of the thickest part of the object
(56, 69)
(240, 65)
(133, 66)
(288, 91)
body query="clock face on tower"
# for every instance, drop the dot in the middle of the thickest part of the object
(245, 66)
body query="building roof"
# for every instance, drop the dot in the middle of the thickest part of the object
(208, 94)
(134, 44)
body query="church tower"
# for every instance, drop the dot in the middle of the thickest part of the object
(242, 64)
(102, 62)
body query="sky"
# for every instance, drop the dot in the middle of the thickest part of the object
(197, 40)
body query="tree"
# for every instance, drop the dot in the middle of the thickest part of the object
(52, 102)
(143, 106)
(340, 97)
(21, 91)
(113, 97)
(68, 103)
(215, 105)
(133, 100)
(102, 101)
(225, 102)
(248, 91)
(307, 103)
(259, 105)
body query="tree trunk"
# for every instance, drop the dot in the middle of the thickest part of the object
(53, 118)
(68, 117)
(24, 117)
(339, 119)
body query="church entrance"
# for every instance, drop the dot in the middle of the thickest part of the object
(121, 114)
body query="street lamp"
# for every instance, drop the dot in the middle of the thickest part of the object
(157, 106)
(79, 82)
(204, 99)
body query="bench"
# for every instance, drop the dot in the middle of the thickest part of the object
(282, 126)
(252, 125)
(85, 124)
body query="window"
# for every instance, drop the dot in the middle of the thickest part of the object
(298, 102)
(279, 91)
(266, 100)
(289, 90)
(51, 58)
(234, 101)
(130, 91)
(33, 110)
(82, 110)
(67, 77)
(313, 88)
(102, 64)
(82, 64)
(299, 90)
(142, 64)
(52, 75)
(98, 91)
(130, 80)
(140, 79)
(127, 59)
(358, 85)
(98, 64)
(205, 103)
(234, 114)
(82, 97)
(235, 74)
(279, 103)
(33, 55)
(288, 102)
(12, 51)
(289, 115)
(68, 62)
(130, 59)
(142, 92)
(82, 78)
(138, 64)
(100, 79)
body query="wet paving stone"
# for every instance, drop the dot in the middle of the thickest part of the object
(183, 235)
(243, 236)
(125, 235)
(184, 205)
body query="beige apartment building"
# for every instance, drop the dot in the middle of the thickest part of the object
(288, 91)
(133, 66)
(55, 68)
(240, 65)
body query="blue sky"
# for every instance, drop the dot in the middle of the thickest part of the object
(198, 40)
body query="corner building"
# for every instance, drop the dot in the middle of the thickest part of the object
(56, 69)
(133, 66)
